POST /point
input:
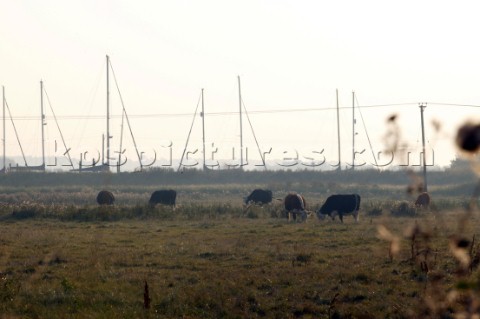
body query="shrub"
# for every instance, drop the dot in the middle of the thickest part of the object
(252, 214)
(403, 208)
(374, 211)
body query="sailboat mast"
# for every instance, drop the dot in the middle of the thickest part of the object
(4, 130)
(42, 118)
(424, 161)
(353, 130)
(338, 135)
(241, 128)
(108, 113)
(203, 132)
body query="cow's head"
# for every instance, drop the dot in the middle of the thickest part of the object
(245, 200)
(301, 213)
(320, 214)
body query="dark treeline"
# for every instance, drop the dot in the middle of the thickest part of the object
(189, 177)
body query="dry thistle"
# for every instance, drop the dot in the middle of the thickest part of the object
(392, 137)
(331, 306)
(474, 255)
(468, 141)
(385, 234)
(437, 126)
(416, 184)
(468, 138)
(412, 233)
(458, 247)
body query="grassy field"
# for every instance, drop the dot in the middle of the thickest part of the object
(218, 263)
(63, 256)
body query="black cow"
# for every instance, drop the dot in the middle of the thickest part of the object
(341, 205)
(295, 204)
(165, 197)
(259, 196)
(105, 198)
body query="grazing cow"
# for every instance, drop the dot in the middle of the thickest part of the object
(295, 204)
(340, 204)
(105, 198)
(423, 200)
(165, 197)
(259, 196)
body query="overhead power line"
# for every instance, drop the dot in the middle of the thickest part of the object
(452, 104)
(230, 113)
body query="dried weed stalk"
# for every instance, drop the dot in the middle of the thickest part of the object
(146, 296)
(441, 299)
(331, 306)
(385, 234)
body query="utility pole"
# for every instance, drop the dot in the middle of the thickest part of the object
(425, 189)
(338, 135)
(203, 133)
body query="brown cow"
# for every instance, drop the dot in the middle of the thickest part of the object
(423, 200)
(295, 204)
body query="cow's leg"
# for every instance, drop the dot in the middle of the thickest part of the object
(355, 215)
(341, 217)
(333, 215)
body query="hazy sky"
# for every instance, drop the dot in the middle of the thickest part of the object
(291, 56)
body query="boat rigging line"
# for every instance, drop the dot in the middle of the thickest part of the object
(254, 136)
(190, 132)
(126, 117)
(16, 133)
(67, 150)
(366, 132)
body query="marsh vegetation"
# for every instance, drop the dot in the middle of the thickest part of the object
(62, 255)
